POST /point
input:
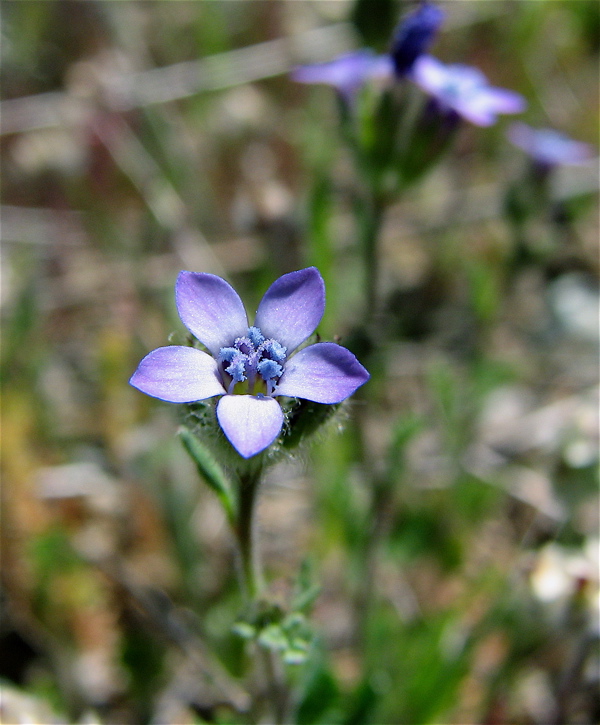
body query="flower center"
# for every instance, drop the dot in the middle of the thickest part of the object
(253, 360)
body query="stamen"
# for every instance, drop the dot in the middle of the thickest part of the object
(250, 355)
(244, 345)
(226, 354)
(274, 350)
(237, 369)
(269, 369)
(255, 336)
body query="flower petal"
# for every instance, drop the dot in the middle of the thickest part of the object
(292, 307)
(466, 90)
(210, 309)
(414, 35)
(251, 423)
(483, 107)
(475, 110)
(505, 101)
(547, 146)
(429, 73)
(178, 375)
(347, 72)
(324, 372)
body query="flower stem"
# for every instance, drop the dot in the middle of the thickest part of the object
(245, 530)
(277, 691)
(373, 212)
(251, 582)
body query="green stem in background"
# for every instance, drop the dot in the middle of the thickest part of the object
(381, 515)
(277, 689)
(372, 214)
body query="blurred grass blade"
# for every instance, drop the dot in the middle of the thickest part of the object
(210, 471)
(403, 432)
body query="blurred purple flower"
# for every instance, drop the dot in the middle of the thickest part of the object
(249, 366)
(414, 35)
(547, 147)
(464, 90)
(346, 73)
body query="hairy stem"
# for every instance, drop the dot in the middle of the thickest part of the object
(251, 582)
(245, 530)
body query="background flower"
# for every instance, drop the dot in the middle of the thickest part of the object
(548, 147)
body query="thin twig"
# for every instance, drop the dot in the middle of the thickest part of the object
(175, 82)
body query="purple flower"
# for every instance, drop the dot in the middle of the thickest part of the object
(347, 73)
(547, 147)
(464, 90)
(250, 366)
(414, 35)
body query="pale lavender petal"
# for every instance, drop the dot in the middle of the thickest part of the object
(505, 101)
(429, 73)
(251, 423)
(465, 90)
(178, 375)
(347, 72)
(475, 110)
(324, 372)
(547, 146)
(210, 309)
(465, 76)
(484, 105)
(292, 307)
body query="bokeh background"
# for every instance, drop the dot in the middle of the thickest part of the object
(142, 138)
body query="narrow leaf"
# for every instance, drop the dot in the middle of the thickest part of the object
(210, 471)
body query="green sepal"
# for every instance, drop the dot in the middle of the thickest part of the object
(303, 419)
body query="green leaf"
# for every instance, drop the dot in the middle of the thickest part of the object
(210, 471)
(306, 589)
(362, 705)
(319, 696)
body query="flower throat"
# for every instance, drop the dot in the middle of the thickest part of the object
(253, 363)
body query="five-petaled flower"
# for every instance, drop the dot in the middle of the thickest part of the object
(462, 90)
(250, 366)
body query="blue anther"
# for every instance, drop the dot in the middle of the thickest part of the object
(274, 350)
(226, 354)
(255, 336)
(269, 369)
(237, 369)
